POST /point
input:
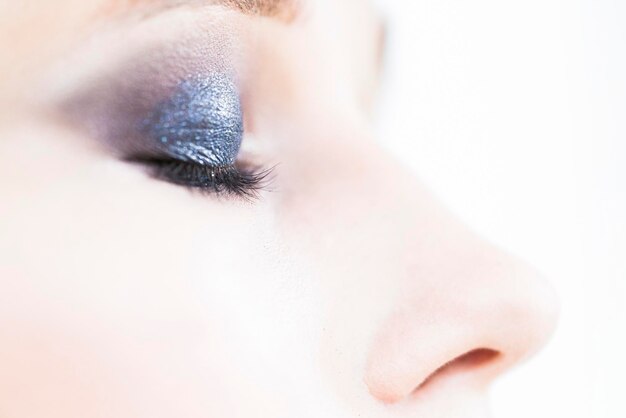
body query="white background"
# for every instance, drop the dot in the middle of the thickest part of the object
(514, 112)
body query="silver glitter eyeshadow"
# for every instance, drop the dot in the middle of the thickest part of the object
(200, 123)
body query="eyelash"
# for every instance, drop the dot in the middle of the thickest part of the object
(237, 180)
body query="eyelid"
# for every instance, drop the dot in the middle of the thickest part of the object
(196, 135)
(156, 77)
(201, 122)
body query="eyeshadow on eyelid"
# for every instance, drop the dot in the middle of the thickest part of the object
(201, 122)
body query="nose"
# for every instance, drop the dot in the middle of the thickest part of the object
(450, 307)
(467, 313)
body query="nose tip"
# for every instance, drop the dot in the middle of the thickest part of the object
(528, 310)
(485, 322)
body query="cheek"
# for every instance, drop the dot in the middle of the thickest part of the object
(147, 284)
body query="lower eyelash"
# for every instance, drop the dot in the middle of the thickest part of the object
(243, 182)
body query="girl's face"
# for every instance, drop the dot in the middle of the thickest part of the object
(197, 222)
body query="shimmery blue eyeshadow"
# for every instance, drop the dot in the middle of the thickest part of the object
(201, 122)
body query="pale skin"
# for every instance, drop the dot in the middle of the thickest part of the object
(342, 291)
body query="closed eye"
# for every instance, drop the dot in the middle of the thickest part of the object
(193, 139)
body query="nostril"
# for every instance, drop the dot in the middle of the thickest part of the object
(467, 362)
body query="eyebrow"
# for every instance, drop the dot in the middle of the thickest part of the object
(270, 8)
(285, 10)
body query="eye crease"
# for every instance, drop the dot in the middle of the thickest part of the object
(195, 136)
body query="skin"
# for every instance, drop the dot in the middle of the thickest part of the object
(342, 291)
